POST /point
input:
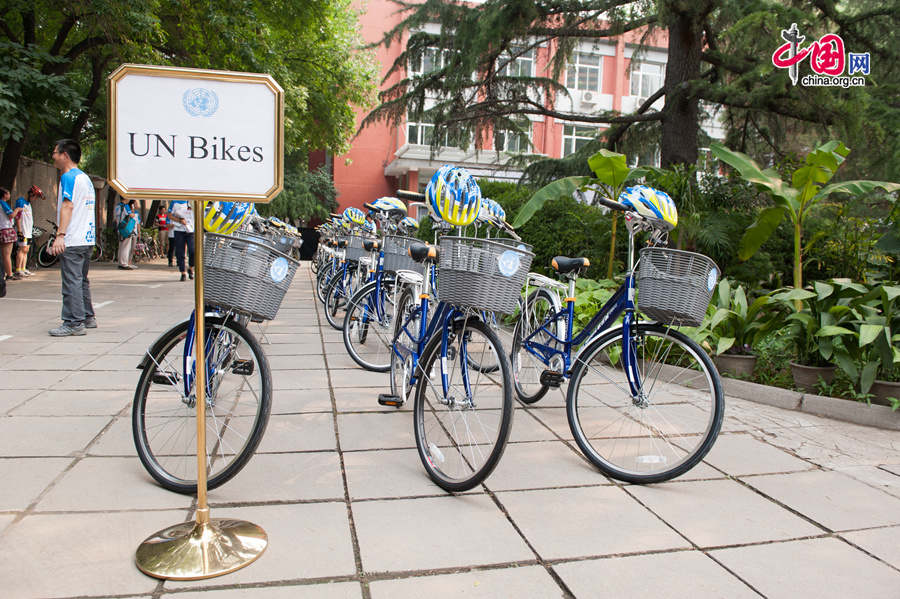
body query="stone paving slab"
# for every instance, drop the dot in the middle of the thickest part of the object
(787, 504)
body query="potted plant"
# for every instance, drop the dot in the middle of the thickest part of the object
(877, 329)
(820, 331)
(734, 326)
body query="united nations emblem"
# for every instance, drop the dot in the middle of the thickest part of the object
(200, 102)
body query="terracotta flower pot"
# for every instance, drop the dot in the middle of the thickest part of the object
(736, 364)
(807, 377)
(884, 389)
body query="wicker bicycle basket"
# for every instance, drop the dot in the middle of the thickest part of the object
(282, 243)
(396, 254)
(355, 249)
(482, 273)
(674, 287)
(245, 275)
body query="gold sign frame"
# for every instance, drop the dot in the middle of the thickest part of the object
(193, 74)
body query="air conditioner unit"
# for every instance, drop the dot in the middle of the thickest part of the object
(589, 97)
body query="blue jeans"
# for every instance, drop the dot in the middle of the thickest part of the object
(76, 289)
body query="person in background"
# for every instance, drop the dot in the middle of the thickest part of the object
(75, 239)
(183, 218)
(7, 233)
(123, 212)
(170, 252)
(25, 221)
(162, 219)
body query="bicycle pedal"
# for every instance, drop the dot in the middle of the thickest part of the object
(165, 378)
(552, 378)
(393, 401)
(242, 367)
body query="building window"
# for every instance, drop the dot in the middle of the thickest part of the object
(646, 78)
(421, 132)
(583, 72)
(432, 59)
(521, 66)
(514, 142)
(575, 136)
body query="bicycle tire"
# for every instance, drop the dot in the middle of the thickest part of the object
(361, 326)
(44, 257)
(322, 280)
(637, 421)
(335, 299)
(526, 368)
(462, 472)
(96, 253)
(171, 419)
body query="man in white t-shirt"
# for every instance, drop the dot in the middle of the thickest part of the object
(183, 223)
(74, 240)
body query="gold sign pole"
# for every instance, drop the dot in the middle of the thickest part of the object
(204, 548)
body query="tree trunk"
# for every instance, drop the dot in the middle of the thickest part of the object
(680, 122)
(10, 164)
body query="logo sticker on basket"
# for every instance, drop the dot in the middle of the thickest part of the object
(711, 279)
(508, 263)
(279, 269)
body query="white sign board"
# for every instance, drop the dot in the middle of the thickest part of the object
(195, 134)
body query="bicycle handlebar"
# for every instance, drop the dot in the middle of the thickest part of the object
(410, 195)
(612, 205)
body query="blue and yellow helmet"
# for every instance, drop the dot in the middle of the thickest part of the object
(369, 227)
(225, 217)
(651, 203)
(453, 196)
(389, 203)
(353, 216)
(408, 225)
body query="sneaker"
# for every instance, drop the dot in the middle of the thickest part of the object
(123, 267)
(171, 265)
(183, 278)
(68, 330)
(132, 267)
(90, 322)
(16, 277)
(191, 274)
(27, 272)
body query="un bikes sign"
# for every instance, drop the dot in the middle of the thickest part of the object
(179, 134)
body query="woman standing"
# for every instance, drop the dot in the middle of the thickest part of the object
(7, 233)
(183, 221)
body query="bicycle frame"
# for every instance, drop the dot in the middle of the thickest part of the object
(621, 301)
(442, 316)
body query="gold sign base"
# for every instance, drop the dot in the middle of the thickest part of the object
(193, 551)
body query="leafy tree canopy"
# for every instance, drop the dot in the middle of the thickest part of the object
(719, 55)
(55, 57)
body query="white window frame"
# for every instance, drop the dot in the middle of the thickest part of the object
(526, 59)
(571, 134)
(514, 142)
(435, 53)
(641, 75)
(575, 69)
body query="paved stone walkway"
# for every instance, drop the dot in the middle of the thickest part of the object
(786, 505)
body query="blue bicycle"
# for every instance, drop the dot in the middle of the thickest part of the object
(644, 401)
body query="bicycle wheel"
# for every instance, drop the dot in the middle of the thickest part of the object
(44, 257)
(668, 427)
(368, 335)
(407, 316)
(323, 278)
(526, 367)
(461, 436)
(336, 296)
(96, 253)
(237, 407)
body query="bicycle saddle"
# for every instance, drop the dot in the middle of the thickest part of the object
(563, 264)
(371, 244)
(420, 252)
